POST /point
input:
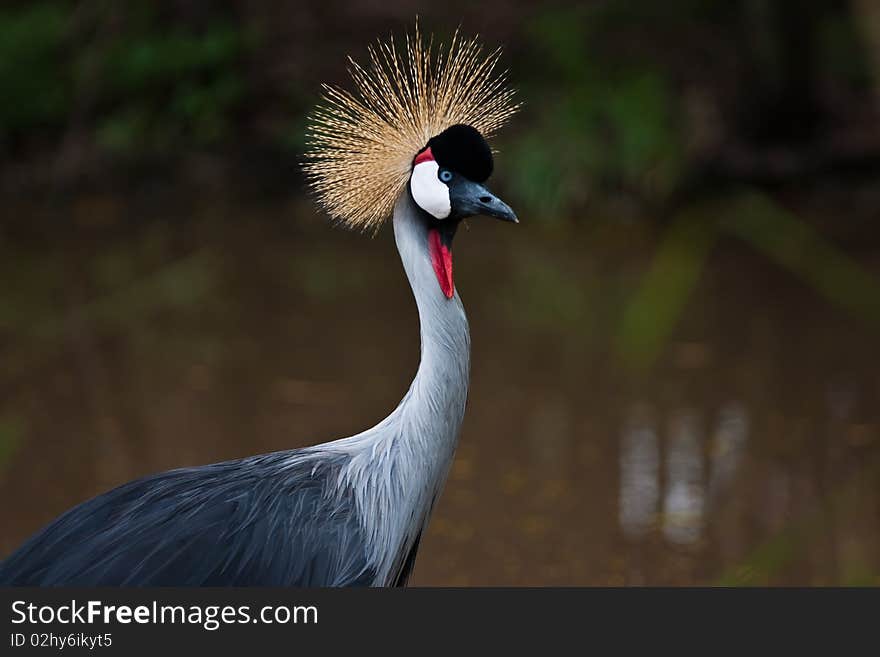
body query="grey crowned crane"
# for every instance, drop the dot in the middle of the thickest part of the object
(410, 142)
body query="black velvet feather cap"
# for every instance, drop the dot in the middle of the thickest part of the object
(464, 150)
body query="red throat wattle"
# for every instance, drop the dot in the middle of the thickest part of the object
(441, 259)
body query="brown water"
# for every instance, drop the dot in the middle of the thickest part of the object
(612, 436)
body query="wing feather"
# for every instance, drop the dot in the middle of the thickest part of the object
(273, 520)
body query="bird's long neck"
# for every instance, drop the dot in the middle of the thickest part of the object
(398, 467)
(426, 423)
(439, 391)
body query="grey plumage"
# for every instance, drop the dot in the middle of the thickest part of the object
(399, 467)
(346, 513)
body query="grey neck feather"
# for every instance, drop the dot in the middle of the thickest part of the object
(398, 468)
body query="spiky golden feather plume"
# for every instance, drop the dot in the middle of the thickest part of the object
(361, 145)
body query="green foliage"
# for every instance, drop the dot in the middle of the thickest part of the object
(843, 55)
(140, 85)
(162, 87)
(602, 114)
(34, 90)
(594, 127)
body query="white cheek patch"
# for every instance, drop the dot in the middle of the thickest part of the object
(427, 190)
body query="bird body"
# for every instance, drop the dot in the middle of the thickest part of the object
(349, 512)
(215, 525)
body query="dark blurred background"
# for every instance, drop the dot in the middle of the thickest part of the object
(676, 365)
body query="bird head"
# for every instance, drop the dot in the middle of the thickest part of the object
(447, 183)
(416, 123)
(448, 177)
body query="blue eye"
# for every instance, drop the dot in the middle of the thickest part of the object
(445, 175)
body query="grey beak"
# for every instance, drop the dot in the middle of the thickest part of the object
(469, 198)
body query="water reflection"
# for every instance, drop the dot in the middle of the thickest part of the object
(639, 473)
(751, 457)
(683, 485)
(727, 449)
(684, 498)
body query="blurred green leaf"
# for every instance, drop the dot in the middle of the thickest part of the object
(797, 246)
(654, 309)
(35, 87)
(159, 88)
(765, 561)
